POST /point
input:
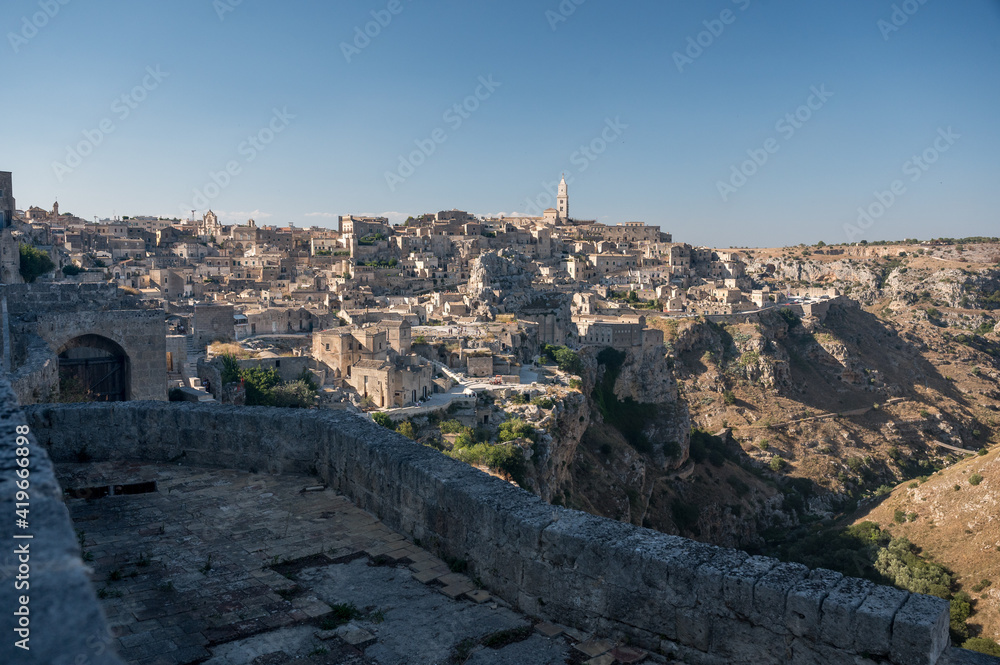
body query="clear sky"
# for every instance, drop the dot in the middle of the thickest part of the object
(647, 124)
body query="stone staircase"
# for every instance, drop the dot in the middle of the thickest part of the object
(193, 356)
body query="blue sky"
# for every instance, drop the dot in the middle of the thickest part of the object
(666, 135)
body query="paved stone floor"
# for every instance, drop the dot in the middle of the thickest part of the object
(223, 567)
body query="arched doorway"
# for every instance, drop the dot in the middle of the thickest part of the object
(93, 368)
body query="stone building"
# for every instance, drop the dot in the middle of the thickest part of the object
(213, 323)
(6, 199)
(395, 382)
(89, 338)
(10, 257)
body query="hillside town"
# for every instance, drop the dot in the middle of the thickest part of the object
(385, 316)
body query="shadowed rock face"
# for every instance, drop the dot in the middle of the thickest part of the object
(699, 602)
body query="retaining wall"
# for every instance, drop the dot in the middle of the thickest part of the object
(63, 619)
(698, 602)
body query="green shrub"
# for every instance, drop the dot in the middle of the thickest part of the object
(406, 429)
(543, 402)
(451, 427)
(960, 610)
(506, 458)
(975, 479)
(259, 382)
(293, 395)
(383, 419)
(901, 565)
(34, 263)
(71, 269)
(516, 428)
(983, 583)
(777, 463)
(899, 516)
(464, 439)
(982, 645)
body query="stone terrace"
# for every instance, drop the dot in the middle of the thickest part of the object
(223, 566)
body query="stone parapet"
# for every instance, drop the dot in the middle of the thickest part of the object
(695, 602)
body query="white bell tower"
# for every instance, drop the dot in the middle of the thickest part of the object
(562, 200)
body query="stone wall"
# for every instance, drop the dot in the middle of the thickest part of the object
(48, 296)
(37, 373)
(696, 602)
(65, 622)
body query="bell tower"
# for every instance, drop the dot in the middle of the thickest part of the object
(562, 200)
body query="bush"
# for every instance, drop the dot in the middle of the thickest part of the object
(451, 427)
(34, 263)
(465, 438)
(543, 402)
(777, 463)
(982, 645)
(175, 395)
(506, 458)
(975, 479)
(961, 610)
(901, 565)
(293, 395)
(383, 419)
(71, 270)
(259, 382)
(568, 361)
(790, 317)
(516, 428)
(406, 429)
(729, 397)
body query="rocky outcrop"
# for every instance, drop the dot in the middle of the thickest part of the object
(553, 456)
(497, 273)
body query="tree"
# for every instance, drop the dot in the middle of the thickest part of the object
(259, 383)
(567, 360)
(34, 263)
